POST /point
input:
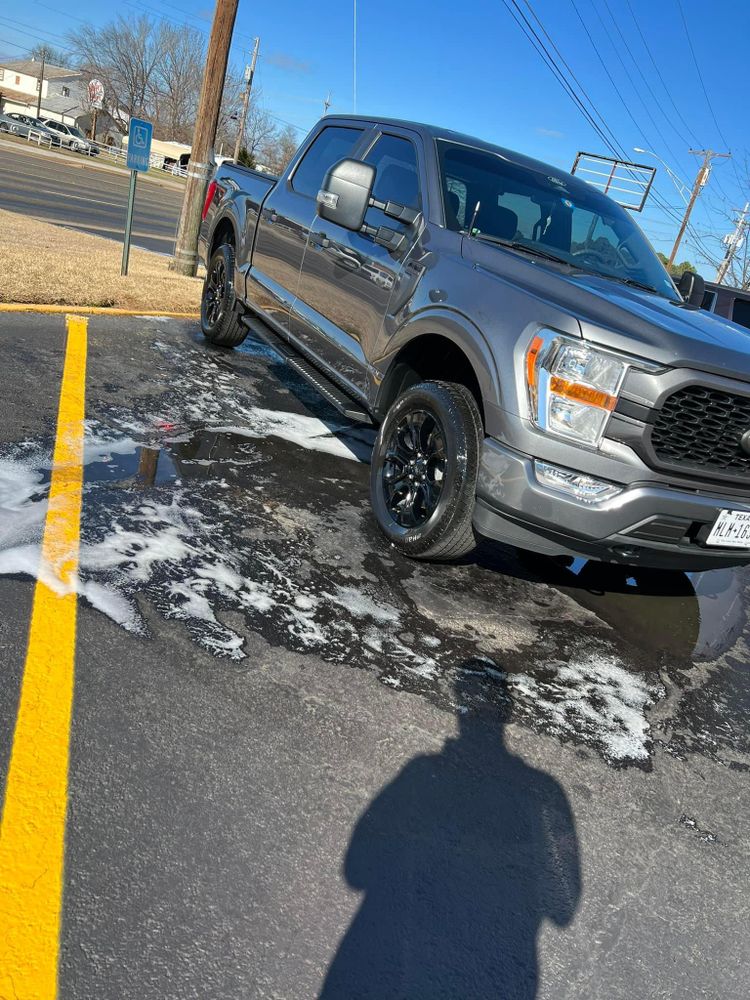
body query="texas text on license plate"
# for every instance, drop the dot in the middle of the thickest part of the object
(731, 529)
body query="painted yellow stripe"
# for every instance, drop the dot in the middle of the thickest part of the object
(32, 834)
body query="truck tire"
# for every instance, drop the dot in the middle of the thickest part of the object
(423, 476)
(220, 313)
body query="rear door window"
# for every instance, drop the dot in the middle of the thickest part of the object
(333, 144)
(397, 178)
(741, 312)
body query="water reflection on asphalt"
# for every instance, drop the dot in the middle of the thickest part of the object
(672, 617)
(228, 497)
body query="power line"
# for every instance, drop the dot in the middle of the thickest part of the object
(566, 64)
(203, 24)
(660, 202)
(64, 13)
(655, 99)
(667, 89)
(613, 145)
(19, 26)
(703, 87)
(598, 54)
(542, 51)
(637, 92)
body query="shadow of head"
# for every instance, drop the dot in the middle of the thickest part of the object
(460, 859)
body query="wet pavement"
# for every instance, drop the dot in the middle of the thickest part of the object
(257, 667)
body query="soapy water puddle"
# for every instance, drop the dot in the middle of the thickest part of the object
(263, 526)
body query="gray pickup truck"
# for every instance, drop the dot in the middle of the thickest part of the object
(536, 376)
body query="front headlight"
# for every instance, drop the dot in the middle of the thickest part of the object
(572, 387)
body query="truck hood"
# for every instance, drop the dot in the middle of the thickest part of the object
(628, 319)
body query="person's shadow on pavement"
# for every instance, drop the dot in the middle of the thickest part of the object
(460, 858)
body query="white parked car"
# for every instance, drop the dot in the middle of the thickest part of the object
(72, 137)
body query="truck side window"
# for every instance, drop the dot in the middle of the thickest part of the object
(397, 179)
(333, 144)
(741, 312)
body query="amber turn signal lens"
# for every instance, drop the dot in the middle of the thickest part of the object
(582, 393)
(531, 356)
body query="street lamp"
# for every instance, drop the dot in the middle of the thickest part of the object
(679, 184)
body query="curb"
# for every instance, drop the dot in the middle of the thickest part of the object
(31, 307)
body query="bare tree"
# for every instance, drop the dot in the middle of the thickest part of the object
(154, 69)
(174, 85)
(738, 275)
(231, 108)
(277, 151)
(260, 129)
(51, 55)
(124, 55)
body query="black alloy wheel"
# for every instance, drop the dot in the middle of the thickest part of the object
(221, 313)
(414, 468)
(215, 290)
(424, 471)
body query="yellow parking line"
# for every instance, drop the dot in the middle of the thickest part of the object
(32, 833)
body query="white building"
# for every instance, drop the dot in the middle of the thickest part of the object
(64, 95)
(63, 90)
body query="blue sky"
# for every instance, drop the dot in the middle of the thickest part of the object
(468, 66)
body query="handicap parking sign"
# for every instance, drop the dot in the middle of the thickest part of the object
(139, 144)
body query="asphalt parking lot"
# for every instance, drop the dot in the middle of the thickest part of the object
(302, 766)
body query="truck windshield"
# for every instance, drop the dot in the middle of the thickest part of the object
(547, 215)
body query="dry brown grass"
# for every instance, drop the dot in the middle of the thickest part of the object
(45, 264)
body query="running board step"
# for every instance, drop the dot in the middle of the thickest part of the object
(327, 389)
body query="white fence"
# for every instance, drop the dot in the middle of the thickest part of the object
(92, 149)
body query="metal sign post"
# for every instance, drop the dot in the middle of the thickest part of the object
(139, 160)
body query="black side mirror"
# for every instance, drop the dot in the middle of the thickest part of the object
(692, 288)
(346, 193)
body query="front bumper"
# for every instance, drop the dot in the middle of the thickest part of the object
(648, 524)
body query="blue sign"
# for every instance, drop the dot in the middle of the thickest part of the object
(139, 144)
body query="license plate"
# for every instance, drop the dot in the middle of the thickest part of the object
(731, 529)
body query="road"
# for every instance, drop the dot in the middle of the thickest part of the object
(303, 766)
(84, 197)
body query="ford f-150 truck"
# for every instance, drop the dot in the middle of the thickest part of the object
(535, 374)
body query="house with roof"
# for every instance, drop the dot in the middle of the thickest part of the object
(64, 96)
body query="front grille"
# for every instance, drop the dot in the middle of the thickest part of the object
(699, 429)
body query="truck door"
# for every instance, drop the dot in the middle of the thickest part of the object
(285, 220)
(347, 279)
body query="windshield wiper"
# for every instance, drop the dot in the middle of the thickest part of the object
(630, 281)
(523, 247)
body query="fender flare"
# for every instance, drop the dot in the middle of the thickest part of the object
(227, 213)
(459, 329)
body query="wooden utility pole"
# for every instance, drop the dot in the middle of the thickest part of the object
(185, 259)
(249, 74)
(41, 84)
(700, 182)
